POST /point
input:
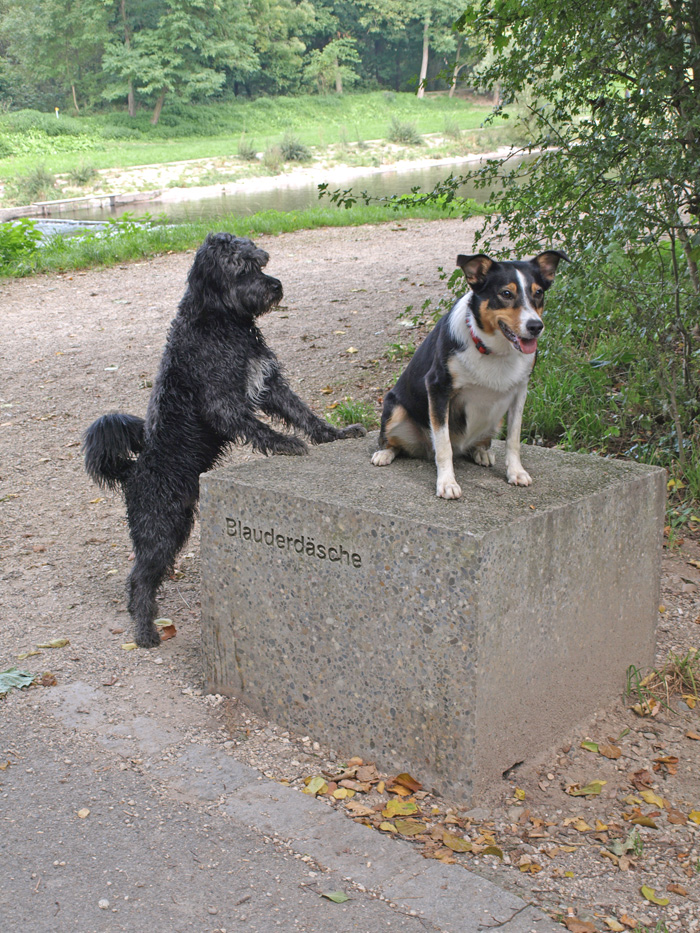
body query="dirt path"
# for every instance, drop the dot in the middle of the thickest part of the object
(77, 346)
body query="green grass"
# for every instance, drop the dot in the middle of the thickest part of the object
(113, 140)
(352, 411)
(127, 239)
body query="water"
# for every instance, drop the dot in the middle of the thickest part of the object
(284, 194)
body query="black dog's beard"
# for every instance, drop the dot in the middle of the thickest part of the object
(257, 296)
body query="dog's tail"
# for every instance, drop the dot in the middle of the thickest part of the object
(111, 445)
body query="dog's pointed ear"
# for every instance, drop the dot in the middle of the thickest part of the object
(548, 263)
(475, 268)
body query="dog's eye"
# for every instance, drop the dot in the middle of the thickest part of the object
(506, 293)
(539, 292)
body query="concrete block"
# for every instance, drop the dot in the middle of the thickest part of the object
(450, 639)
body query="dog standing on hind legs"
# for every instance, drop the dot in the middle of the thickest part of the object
(215, 374)
(471, 370)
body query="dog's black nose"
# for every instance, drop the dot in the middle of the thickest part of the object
(535, 327)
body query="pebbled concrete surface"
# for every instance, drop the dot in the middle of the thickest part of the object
(198, 842)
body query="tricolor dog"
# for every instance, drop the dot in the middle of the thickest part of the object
(471, 370)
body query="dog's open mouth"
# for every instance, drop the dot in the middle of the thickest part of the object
(522, 344)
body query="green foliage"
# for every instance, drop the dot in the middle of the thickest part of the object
(403, 132)
(127, 239)
(352, 411)
(18, 240)
(14, 678)
(83, 174)
(247, 150)
(293, 150)
(38, 185)
(397, 352)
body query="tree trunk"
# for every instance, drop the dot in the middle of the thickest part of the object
(457, 68)
(130, 98)
(75, 99)
(424, 63)
(157, 109)
(338, 79)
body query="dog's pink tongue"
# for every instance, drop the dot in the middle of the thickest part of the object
(527, 346)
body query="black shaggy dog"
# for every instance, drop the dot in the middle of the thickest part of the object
(216, 372)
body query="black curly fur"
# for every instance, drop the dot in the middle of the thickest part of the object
(215, 374)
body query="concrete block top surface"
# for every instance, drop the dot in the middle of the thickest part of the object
(341, 475)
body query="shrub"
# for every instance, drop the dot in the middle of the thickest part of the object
(351, 411)
(272, 159)
(18, 239)
(38, 185)
(404, 133)
(293, 150)
(83, 174)
(247, 150)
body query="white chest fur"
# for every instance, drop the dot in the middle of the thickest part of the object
(484, 388)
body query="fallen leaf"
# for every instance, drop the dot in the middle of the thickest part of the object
(410, 827)
(5, 765)
(676, 817)
(693, 735)
(367, 773)
(47, 679)
(387, 827)
(519, 793)
(410, 783)
(590, 790)
(642, 778)
(590, 746)
(399, 789)
(358, 809)
(581, 826)
(578, 926)
(338, 897)
(84, 813)
(690, 700)
(27, 654)
(613, 925)
(352, 350)
(56, 643)
(650, 895)
(643, 820)
(600, 827)
(399, 807)
(629, 922)
(162, 623)
(648, 796)
(14, 678)
(610, 751)
(315, 785)
(493, 850)
(167, 632)
(677, 889)
(667, 762)
(694, 816)
(129, 646)
(456, 843)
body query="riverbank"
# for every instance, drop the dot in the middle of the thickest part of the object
(142, 189)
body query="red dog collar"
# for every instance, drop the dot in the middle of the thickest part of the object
(479, 344)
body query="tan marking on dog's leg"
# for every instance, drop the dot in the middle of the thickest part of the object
(387, 455)
(483, 455)
(447, 486)
(515, 473)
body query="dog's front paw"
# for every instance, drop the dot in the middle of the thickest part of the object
(383, 457)
(484, 456)
(292, 446)
(519, 477)
(448, 489)
(353, 430)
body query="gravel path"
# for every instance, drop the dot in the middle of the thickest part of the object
(76, 346)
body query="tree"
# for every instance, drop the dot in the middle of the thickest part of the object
(180, 48)
(56, 41)
(333, 64)
(611, 104)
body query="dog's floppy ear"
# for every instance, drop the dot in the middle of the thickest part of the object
(475, 268)
(548, 262)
